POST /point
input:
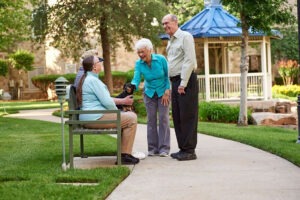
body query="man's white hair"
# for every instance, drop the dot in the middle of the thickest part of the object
(88, 53)
(143, 43)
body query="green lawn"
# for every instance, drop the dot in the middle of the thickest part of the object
(14, 106)
(279, 141)
(31, 158)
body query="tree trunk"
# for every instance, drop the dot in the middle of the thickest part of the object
(106, 54)
(243, 118)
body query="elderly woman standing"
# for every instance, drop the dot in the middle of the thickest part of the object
(92, 94)
(154, 69)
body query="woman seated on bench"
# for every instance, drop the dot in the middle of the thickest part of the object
(92, 94)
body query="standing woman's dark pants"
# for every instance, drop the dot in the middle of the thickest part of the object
(185, 113)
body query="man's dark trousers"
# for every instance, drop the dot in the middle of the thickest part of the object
(185, 113)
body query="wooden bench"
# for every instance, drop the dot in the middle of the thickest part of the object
(76, 126)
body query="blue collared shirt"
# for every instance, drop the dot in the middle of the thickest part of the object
(156, 77)
(95, 96)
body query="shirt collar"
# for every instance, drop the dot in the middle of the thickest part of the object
(153, 57)
(177, 34)
(92, 73)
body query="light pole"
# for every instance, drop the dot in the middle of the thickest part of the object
(60, 89)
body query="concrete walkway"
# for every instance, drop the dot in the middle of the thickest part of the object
(224, 170)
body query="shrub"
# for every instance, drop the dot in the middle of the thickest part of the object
(218, 112)
(45, 81)
(22, 60)
(3, 67)
(288, 90)
(278, 81)
(139, 106)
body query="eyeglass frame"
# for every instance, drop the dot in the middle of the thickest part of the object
(99, 60)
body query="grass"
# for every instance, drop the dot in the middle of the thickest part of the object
(279, 141)
(31, 158)
(10, 107)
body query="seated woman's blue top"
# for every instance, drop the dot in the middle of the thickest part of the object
(95, 96)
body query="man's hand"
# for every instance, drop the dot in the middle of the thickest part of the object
(181, 90)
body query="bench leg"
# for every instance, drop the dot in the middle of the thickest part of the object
(82, 147)
(71, 150)
(119, 148)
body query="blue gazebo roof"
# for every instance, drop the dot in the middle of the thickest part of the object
(214, 21)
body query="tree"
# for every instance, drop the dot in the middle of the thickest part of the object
(184, 9)
(22, 60)
(73, 24)
(287, 47)
(15, 18)
(259, 15)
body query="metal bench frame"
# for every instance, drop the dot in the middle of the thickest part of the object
(76, 126)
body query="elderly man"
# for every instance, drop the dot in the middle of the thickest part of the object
(182, 62)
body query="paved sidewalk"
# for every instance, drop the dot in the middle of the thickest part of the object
(224, 170)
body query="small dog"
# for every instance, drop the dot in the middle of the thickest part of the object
(128, 89)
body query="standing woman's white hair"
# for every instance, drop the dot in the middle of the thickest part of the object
(143, 43)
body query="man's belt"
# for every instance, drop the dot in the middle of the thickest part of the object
(175, 78)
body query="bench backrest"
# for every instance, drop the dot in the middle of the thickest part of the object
(72, 103)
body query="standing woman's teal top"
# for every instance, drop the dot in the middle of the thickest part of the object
(95, 96)
(156, 76)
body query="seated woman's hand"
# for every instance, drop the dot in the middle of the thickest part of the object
(128, 100)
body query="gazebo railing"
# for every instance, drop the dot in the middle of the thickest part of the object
(227, 86)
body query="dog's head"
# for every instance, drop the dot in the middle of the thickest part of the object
(128, 88)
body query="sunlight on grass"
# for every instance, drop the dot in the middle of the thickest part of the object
(10, 107)
(31, 157)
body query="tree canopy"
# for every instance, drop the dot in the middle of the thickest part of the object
(184, 9)
(261, 15)
(287, 47)
(75, 25)
(15, 18)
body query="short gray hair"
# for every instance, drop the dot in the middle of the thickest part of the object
(88, 53)
(174, 17)
(143, 43)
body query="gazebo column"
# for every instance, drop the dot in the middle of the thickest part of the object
(264, 68)
(269, 70)
(206, 71)
(224, 59)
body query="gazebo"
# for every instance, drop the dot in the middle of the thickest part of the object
(217, 42)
